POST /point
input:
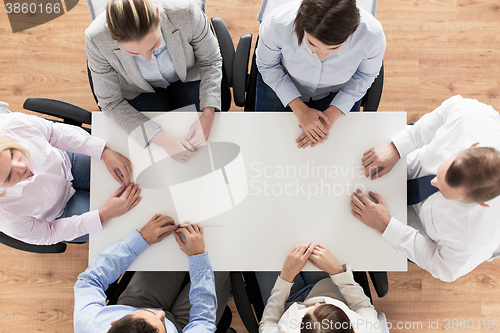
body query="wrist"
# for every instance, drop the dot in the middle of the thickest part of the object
(333, 113)
(287, 277)
(395, 149)
(105, 152)
(209, 111)
(103, 215)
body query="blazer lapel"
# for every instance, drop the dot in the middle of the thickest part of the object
(174, 45)
(131, 68)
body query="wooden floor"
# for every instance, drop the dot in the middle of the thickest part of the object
(435, 49)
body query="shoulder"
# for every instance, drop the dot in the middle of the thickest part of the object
(14, 120)
(177, 7)
(368, 25)
(281, 21)
(97, 27)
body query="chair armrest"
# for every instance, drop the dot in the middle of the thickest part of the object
(240, 69)
(380, 283)
(19, 245)
(242, 303)
(226, 47)
(371, 100)
(72, 114)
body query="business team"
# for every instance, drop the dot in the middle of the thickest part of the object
(162, 55)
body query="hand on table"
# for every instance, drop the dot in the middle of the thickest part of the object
(115, 161)
(373, 214)
(310, 120)
(322, 258)
(200, 130)
(194, 243)
(296, 260)
(120, 202)
(332, 113)
(178, 149)
(158, 228)
(380, 160)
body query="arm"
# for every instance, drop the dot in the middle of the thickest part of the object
(268, 58)
(439, 259)
(275, 306)
(42, 232)
(424, 130)
(201, 295)
(90, 297)
(107, 88)
(363, 78)
(354, 296)
(209, 61)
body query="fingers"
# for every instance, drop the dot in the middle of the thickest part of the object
(377, 197)
(119, 191)
(356, 200)
(179, 241)
(187, 145)
(301, 137)
(379, 172)
(324, 117)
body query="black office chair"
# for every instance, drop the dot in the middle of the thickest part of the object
(69, 114)
(244, 84)
(250, 306)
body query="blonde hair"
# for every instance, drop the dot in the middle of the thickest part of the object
(6, 143)
(131, 20)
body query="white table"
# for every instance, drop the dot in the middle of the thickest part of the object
(286, 200)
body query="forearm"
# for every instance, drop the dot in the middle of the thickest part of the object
(275, 306)
(202, 294)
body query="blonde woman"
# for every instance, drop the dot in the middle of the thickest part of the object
(155, 56)
(45, 177)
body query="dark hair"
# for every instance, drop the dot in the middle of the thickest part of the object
(326, 318)
(477, 170)
(131, 20)
(329, 21)
(129, 324)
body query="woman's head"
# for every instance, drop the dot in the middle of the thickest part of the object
(329, 21)
(13, 162)
(131, 20)
(326, 318)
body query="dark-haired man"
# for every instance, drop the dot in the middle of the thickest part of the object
(456, 228)
(153, 301)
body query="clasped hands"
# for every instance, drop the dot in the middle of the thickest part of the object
(315, 124)
(317, 254)
(161, 226)
(182, 150)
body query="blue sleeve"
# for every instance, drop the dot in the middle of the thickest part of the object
(201, 296)
(106, 268)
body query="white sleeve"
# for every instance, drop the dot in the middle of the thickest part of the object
(424, 130)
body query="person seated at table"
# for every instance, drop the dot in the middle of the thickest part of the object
(334, 302)
(317, 58)
(153, 301)
(155, 56)
(45, 178)
(455, 229)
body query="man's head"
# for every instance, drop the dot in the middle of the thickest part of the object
(326, 24)
(471, 176)
(140, 321)
(326, 318)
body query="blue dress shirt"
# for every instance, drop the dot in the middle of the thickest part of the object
(159, 71)
(294, 71)
(91, 313)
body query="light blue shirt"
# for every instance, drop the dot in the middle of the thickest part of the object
(159, 71)
(294, 71)
(91, 313)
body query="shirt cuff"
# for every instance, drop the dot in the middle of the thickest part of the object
(136, 243)
(145, 132)
(403, 143)
(94, 223)
(199, 262)
(94, 147)
(343, 101)
(287, 93)
(394, 232)
(284, 283)
(344, 277)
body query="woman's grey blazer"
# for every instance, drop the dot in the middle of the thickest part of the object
(195, 55)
